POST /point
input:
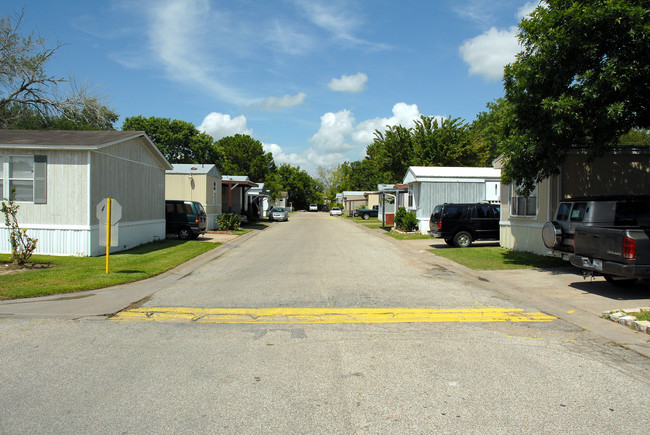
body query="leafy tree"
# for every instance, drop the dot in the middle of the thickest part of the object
(391, 152)
(446, 142)
(582, 80)
(179, 141)
(27, 90)
(26, 118)
(301, 187)
(243, 155)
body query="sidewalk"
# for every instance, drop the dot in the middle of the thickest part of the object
(561, 292)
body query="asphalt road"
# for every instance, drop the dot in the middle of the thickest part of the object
(173, 374)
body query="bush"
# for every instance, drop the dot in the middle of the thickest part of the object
(228, 221)
(22, 246)
(405, 221)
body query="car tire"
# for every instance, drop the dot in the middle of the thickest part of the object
(463, 239)
(184, 233)
(450, 242)
(623, 282)
(366, 216)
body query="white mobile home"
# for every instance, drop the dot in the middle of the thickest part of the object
(61, 176)
(429, 186)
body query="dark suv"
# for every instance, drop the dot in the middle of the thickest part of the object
(461, 224)
(605, 211)
(187, 219)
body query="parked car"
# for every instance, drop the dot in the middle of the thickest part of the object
(367, 213)
(313, 207)
(336, 211)
(187, 219)
(461, 224)
(622, 256)
(279, 214)
(588, 211)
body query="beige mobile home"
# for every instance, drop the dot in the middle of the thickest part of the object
(626, 170)
(196, 182)
(61, 176)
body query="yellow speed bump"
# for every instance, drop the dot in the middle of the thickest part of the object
(329, 315)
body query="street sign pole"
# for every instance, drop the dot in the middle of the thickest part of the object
(108, 230)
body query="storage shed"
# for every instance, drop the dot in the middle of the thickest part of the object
(429, 186)
(196, 182)
(61, 176)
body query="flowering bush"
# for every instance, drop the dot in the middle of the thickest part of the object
(22, 246)
(405, 221)
(228, 221)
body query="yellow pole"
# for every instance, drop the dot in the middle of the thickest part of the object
(108, 230)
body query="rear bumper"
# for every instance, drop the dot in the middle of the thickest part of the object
(602, 267)
(436, 234)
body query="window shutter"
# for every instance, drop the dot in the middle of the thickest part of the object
(40, 179)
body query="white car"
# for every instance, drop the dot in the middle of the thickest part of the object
(335, 211)
(313, 207)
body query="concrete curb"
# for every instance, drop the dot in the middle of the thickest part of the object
(626, 317)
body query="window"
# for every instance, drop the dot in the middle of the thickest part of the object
(26, 174)
(523, 205)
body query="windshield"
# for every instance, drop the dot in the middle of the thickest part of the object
(278, 210)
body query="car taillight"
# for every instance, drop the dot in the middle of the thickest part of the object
(439, 225)
(197, 220)
(629, 248)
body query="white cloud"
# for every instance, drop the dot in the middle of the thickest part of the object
(274, 103)
(403, 114)
(340, 138)
(527, 9)
(220, 125)
(353, 84)
(333, 131)
(489, 53)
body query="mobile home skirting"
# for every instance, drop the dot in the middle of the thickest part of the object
(83, 241)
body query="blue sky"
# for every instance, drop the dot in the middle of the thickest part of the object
(310, 79)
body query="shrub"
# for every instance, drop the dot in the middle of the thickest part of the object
(22, 246)
(405, 221)
(228, 221)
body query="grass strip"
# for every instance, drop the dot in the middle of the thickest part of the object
(496, 258)
(73, 274)
(400, 236)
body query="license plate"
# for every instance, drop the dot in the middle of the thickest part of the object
(598, 264)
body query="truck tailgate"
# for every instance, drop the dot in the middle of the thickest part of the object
(603, 243)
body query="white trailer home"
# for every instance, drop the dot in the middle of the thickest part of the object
(429, 186)
(61, 176)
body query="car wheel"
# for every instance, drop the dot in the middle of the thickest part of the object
(620, 282)
(184, 233)
(450, 242)
(462, 239)
(366, 216)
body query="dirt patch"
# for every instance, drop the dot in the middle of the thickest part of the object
(9, 268)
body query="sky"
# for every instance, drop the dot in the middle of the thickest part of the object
(312, 80)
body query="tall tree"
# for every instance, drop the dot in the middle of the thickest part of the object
(179, 141)
(26, 89)
(243, 155)
(300, 186)
(582, 80)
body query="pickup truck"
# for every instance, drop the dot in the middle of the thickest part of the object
(622, 256)
(367, 213)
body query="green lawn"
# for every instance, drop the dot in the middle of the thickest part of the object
(496, 258)
(72, 274)
(399, 236)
